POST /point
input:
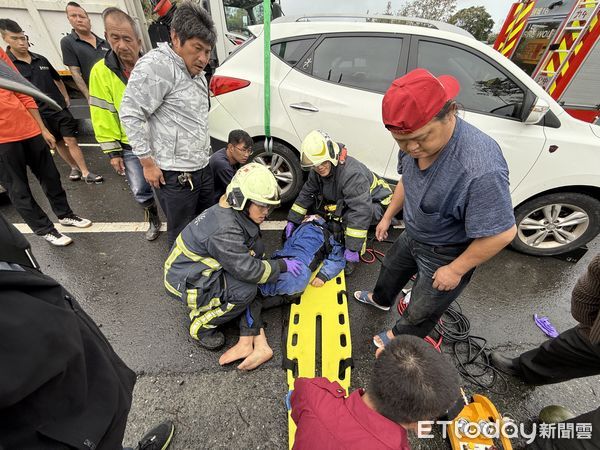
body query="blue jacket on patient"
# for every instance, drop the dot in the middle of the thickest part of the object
(310, 244)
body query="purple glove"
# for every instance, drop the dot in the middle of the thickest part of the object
(293, 266)
(544, 324)
(351, 256)
(289, 229)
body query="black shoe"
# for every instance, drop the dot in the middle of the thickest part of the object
(154, 223)
(158, 438)
(350, 268)
(506, 365)
(211, 341)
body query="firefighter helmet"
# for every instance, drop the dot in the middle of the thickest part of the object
(317, 147)
(252, 182)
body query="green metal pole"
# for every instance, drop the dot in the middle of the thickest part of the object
(267, 74)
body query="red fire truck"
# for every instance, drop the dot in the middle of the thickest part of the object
(558, 44)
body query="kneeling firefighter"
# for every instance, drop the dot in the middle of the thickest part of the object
(217, 261)
(341, 189)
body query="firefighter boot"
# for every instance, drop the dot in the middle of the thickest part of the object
(151, 214)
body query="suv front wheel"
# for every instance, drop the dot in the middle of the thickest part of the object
(284, 164)
(556, 223)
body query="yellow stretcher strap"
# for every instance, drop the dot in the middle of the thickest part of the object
(329, 305)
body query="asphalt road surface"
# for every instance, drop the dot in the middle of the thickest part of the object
(117, 277)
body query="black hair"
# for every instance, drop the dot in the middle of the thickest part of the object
(239, 136)
(75, 5)
(411, 381)
(450, 107)
(192, 21)
(9, 25)
(113, 11)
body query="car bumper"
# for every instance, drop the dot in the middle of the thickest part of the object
(220, 122)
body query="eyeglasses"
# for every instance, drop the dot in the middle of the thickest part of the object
(247, 150)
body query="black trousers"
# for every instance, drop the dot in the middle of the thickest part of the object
(14, 159)
(570, 355)
(427, 304)
(182, 203)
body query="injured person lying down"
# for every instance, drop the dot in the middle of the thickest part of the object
(311, 244)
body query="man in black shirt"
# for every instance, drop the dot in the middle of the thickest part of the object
(38, 70)
(225, 162)
(81, 49)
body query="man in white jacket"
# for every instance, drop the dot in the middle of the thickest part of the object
(165, 114)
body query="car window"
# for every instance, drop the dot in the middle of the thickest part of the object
(483, 88)
(292, 51)
(365, 62)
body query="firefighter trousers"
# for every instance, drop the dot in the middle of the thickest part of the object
(215, 308)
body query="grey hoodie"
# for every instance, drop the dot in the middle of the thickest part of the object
(165, 112)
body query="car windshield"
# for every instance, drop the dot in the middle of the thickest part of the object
(240, 14)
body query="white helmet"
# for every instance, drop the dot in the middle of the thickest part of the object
(252, 182)
(317, 147)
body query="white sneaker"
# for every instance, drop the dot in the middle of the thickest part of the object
(74, 220)
(58, 239)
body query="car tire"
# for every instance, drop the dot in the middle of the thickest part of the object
(284, 164)
(556, 223)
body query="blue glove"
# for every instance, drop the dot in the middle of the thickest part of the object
(288, 397)
(351, 256)
(289, 229)
(293, 266)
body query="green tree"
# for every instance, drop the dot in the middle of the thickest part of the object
(476, 20)
(428, 9)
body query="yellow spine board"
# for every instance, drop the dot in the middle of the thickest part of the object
(329, 302)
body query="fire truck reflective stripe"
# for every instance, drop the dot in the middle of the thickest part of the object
(515, 29)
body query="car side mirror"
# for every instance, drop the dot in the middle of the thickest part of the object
(538, 111)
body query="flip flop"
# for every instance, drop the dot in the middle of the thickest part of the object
(363, 297)
(385, 339)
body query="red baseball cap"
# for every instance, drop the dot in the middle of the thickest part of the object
(414, 99)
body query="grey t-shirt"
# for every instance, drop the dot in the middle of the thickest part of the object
(462, 196)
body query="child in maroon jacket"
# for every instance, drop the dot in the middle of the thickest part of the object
(411, 382)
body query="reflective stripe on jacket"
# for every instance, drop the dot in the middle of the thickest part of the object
(353, 188)
(107, 86)
(219, 239)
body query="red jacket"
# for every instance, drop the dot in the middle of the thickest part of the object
(16, 123)
(327, 419)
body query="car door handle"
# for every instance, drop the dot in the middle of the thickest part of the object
(304, 106)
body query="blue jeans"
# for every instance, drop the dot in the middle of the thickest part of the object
(405, 258)
(134, 172)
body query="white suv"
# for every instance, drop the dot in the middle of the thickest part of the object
(332, 75)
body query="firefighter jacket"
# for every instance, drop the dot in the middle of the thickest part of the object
(61, 383)
(107, 86)
(220, 239)
(350, 190)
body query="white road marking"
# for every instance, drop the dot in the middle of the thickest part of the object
(89, 145)
(137, 227)
(129, 227)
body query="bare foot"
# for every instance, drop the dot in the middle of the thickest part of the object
(261, 354)
(241, 350)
